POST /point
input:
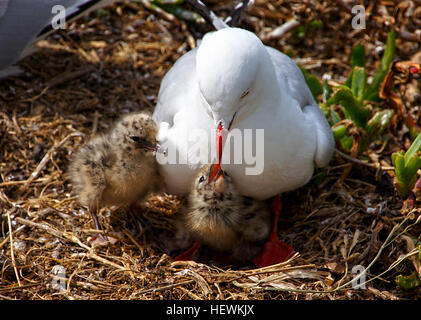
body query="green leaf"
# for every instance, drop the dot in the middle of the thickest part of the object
(358, 56)
(372, 93)
(313, 83)
(403, 177)
(347, 143)
(339, 132)
(334, 115)
(398, 160)
(357, 60)
(396, 155)
(399, 163)
(348, 81)
(315, 86)
(357, 113)
(358, 83)
(406, 167)
(327, 91)
(409, 173)
(326, 112)
(413, 149)
(375, 127)
(409, 282)
(379, 122)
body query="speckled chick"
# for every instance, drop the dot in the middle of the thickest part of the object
(118, 167)
(220, 217)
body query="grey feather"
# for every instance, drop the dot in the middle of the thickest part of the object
(23, 22)
(3, 6)
(289, 72)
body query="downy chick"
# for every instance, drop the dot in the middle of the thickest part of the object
(118, 167)
(220, 217)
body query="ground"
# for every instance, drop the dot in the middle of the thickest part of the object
(111, 62)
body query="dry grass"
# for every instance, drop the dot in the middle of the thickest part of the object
(106, 65)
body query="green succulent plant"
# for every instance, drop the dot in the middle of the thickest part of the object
(406, 166)
(408, 282)
(355, 97)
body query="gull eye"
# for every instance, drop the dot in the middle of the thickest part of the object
(245, 93)
(201, 179)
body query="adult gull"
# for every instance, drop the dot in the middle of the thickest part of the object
(234, 82)
(233, 78)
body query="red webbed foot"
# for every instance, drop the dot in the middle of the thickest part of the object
(274, 250)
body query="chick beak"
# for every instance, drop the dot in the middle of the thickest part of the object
(220, 184)
(214, 172)
(144, 144)
(148, 146)
(216, 175)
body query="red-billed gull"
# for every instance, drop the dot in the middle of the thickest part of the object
(232, 81)
(233, 73)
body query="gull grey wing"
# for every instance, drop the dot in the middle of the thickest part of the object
(288, 70)
(23, 22)
(20, 24)
(324, 135)
(74, 10)
(3, 6)
(173, 93)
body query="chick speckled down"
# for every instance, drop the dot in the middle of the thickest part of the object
(118, 167)
(224, 219)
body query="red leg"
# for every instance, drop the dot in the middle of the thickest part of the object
(190, 253)
(274, 250)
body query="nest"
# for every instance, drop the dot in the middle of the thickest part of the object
(111, 63)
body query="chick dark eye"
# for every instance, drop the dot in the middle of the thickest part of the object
(135, 138)
(201, 179)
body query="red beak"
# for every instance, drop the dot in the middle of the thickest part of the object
(219, 142)
(217, 174)
(219, 136)
(214, 172)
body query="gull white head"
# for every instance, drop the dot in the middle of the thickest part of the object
(228, 65)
